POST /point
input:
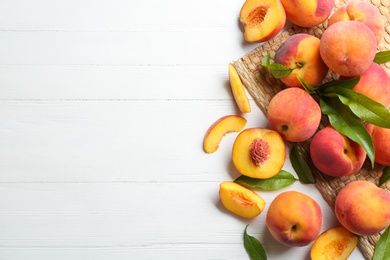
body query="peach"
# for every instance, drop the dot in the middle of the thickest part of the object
(240, 200)
(307, 13)
(335, 154)
(224, 125)
(294, 219)
(262, 19)
(294, 114)
(363, 12)
(381, 140)
(363, 208)
(336, 243)
(348, 48)
(375, 84)
(238, 90)
(258, 153)
(302, 52)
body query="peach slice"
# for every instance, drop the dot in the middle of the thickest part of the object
(238, 90)
(224, 125)
(335, 243)
(240, 200)
(262, 19)
(259, 153)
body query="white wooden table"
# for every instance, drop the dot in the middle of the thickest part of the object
(103, 108)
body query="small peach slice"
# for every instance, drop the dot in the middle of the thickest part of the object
(238, 90)
(224, 125)
(335, 243)
(259, 153)
(262, 19)
(240, 200)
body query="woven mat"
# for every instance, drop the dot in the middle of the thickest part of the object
(262, 87)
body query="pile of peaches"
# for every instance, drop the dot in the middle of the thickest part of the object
(347, 47)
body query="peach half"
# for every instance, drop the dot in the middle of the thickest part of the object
(224, 125)
(381, 141)
(336, 243)
(335, 154)
(348, 48)
(307, 13)
(258, 153)
(240, 200)
(238, 90)
(294, 114)
(363, 208)
(302, 52)
(262, 19)
(294, 219)
(363, 12)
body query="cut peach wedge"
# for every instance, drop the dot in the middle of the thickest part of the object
(259, 153)
(262, 19)
(335, 243)
(224, 125)
(238, 90)
(240, 200)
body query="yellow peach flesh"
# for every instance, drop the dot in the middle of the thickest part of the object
(224, 125)
(238, 90)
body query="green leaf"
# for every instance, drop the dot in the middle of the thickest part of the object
(253, 247)
(382, 247)
(385, 176)
(348, 83)
(362, 106)
(347, 123)
(302, 169)
(279, 181)
(309, 89)
(277, 70)
(382, 57)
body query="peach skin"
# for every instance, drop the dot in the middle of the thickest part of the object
(363, 208)
(302, 52)
(381, 140)
(262, 19)
(294, 219)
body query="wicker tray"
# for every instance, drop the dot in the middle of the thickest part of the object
(262, 87)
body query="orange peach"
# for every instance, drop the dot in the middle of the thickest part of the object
(238, 90)
(375, 84)
(335, 154)
(262, 19)
(294, 219)
(258, 153)
(381, 140)
(294, 114)
(348, 48)
(240, 200)
(224, 125)
(302, 52)
(363, 12)
(307, 13)
(336, 243)
(363, 208)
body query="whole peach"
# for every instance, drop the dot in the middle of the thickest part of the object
(335, 154)
(294, 219)
(375, 84)
(302, 52)
(307, 13)
(363, 12)
(363, 208)
(381, 140)
(348, 48)
(294, 114)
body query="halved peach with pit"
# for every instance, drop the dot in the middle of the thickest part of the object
(335, 243)
(238, 90)
(262, 19)
(259, 153)
(224, 125)
(240, 200)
